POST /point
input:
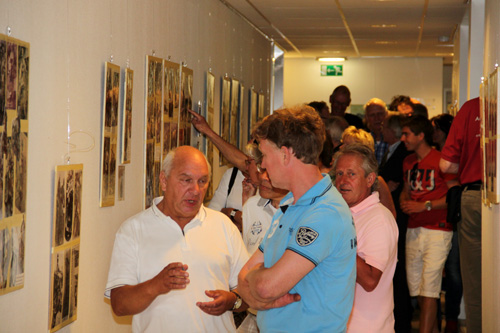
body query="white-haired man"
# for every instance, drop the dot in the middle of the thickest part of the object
(170, 260)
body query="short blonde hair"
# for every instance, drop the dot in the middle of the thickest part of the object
(355, 135)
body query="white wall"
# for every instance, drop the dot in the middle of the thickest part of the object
(491, 215)
(70, 41)
(420, 78)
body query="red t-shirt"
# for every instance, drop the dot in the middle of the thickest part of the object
(462, 144)
(427, 182)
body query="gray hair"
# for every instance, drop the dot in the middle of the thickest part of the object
(252, 150)
(375, 101)
(335, 126)
(394, 121)
(368, 165)
(168, 163)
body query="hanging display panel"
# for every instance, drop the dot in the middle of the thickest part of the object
(65, 245)
(14, 93)
(489, 137)
(109, 134)
(186, 104)
(126, 134)
(235, 108)
(153, 121)
(262, 106)
(225, 115)
(171, 76)
(241, 139)
(253, 111)
(210, 95)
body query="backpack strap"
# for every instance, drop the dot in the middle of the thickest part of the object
(231, 180)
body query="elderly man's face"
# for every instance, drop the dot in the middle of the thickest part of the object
(185, 187)
(375, 115)
(351, 181)
(252, 173)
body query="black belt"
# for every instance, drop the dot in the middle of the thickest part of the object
(475, 186)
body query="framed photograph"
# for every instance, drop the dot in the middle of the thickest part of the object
(126, 134)
(171, 77)
(14, 95)
(253, 111)
(209, 115)
(67, 204)
(64, 287)
(153, 132)
(186, 104)
(65, 245)
(225, 114)
(109, 134)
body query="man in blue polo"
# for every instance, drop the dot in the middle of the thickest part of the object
(303, 277)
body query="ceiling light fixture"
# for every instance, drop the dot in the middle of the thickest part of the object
(330, 59)
(384, 26)
(443, 39)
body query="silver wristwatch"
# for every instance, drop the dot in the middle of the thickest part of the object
(238, 302)
(428, 205)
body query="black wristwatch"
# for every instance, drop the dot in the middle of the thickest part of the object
(233, 214)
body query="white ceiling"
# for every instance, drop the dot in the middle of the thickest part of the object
(357, 28)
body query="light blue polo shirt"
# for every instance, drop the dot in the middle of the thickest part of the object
(319, 227)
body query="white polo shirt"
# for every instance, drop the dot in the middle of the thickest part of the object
(210, 245)
(257, 216)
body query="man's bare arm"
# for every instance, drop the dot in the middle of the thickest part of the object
(367, 276)
(385, 196)
(235, 156)
(256, 262)
(448, 167)
(270, 284)
(131, 300)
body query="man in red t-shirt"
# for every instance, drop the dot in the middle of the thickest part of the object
(428, 238)
(461, 154)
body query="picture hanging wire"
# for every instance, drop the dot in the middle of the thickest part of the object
(67, 156)
(72, 148)
(128, 37)
(111, 30)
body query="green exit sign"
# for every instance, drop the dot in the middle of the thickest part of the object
(331, 70)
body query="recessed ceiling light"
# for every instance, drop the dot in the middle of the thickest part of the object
(385, 42)
(329, 59)
(384, 26)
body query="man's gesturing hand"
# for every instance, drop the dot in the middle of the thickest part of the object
(174, 276)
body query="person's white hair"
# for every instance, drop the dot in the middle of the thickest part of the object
(168, 163)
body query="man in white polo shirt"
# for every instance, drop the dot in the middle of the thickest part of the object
(175, 265)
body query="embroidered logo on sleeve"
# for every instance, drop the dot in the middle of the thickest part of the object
(305, 236)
